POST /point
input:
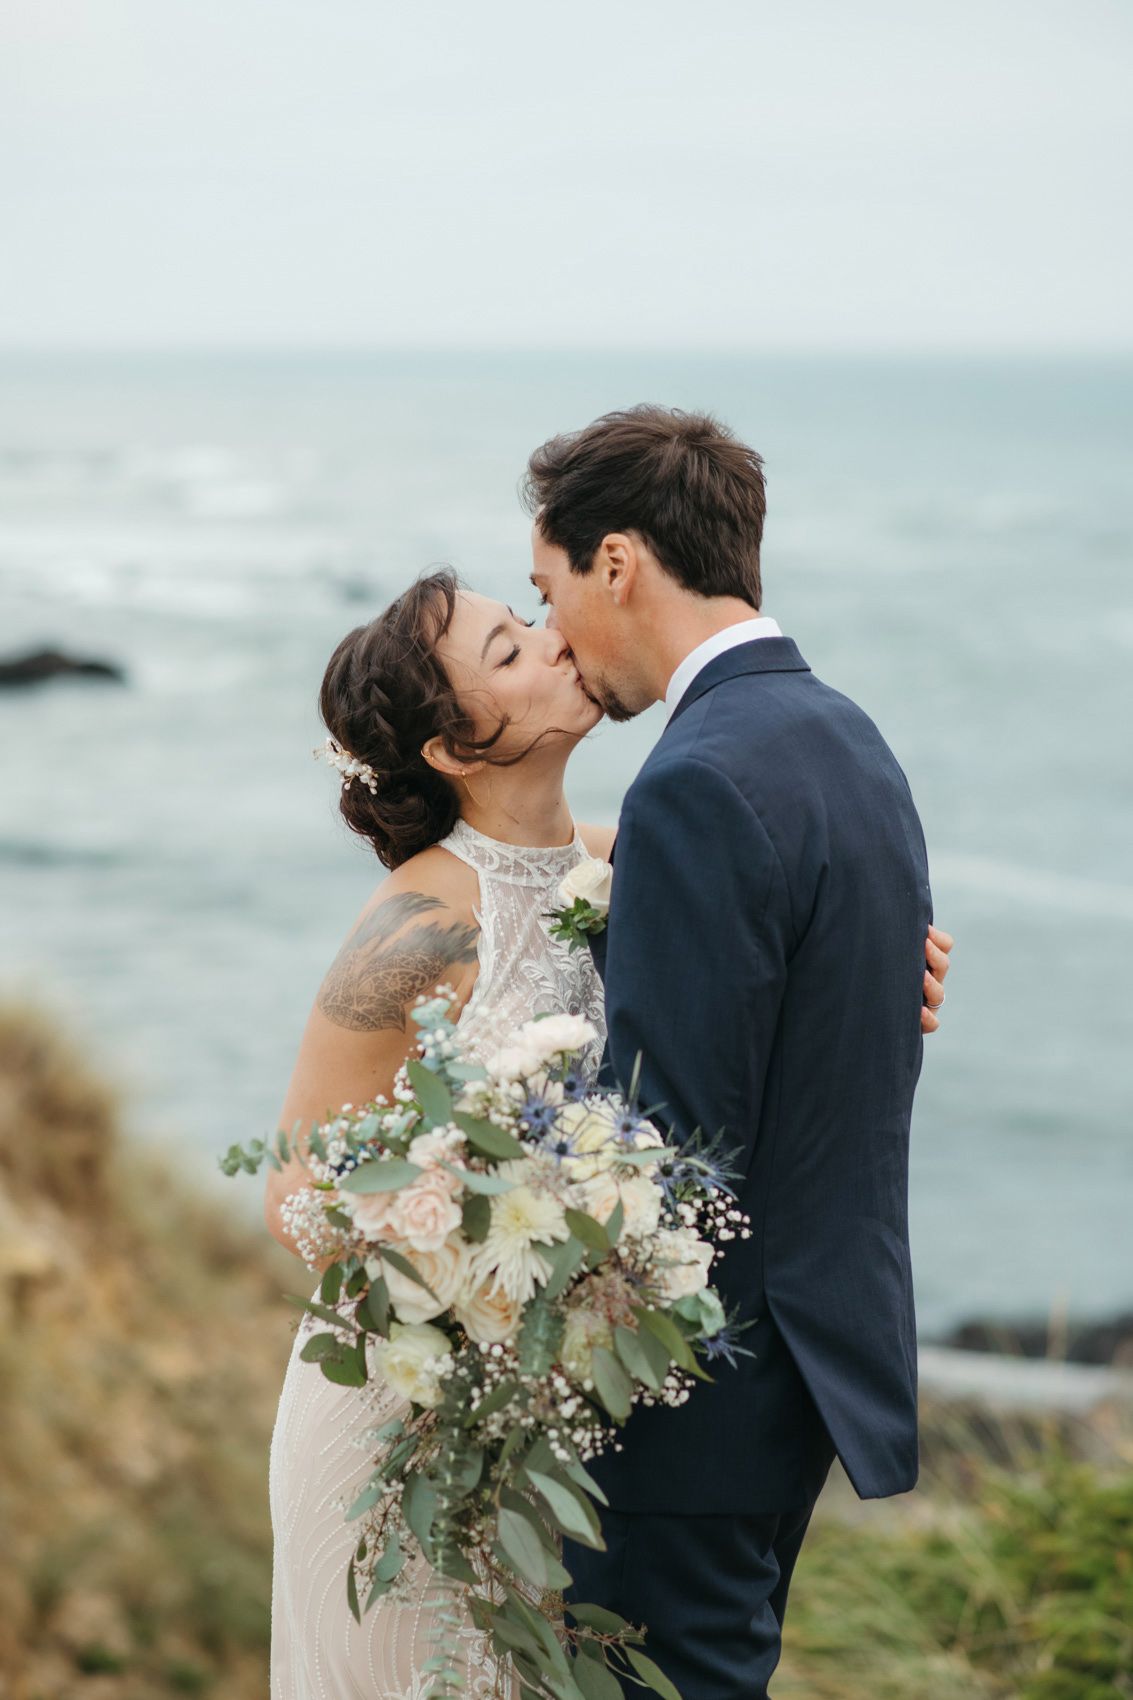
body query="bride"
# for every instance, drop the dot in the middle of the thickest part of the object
(452, 720)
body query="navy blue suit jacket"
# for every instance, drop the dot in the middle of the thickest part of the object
(764, 954)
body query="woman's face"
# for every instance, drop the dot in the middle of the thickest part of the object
(506, 668)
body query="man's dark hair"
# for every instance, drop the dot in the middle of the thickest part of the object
(682, 481)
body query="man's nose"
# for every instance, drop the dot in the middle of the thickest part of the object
(552, 621)
(557, 645)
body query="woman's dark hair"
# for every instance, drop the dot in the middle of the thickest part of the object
(682, 481)
(385, 693)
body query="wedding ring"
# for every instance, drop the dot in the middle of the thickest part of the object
(935, 1006)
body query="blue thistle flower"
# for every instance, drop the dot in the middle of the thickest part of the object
(537, 1116)
(725, 1343)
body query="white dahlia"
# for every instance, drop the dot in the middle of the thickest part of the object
(522, 1220)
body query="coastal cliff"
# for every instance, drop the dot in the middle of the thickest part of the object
(142, 1343)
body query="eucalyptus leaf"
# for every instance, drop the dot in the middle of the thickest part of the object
(611, 1383)
(367, 1499)
(488, 1139)
(373, 1311)
(667, 1331)
(653, 1675)
(419, 1504)
(525, 1551)
(407, 1268)
(383, 1174)
(431, 1093)
(321, 1311)
(573, 1513)
(585, 1228)
(564, 1257)
(598, 1618)
(637, 1357)
(594, 1676)
(331, 1284)
(390, 1563)
(578, 1473)
(352, 1594)
(344, 1372)
(320, 1346)
(476, 1218)
(474, 1180)
(379, 1588)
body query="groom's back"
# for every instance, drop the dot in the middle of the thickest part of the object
(808, 971)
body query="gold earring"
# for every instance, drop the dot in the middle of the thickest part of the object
(468, 788)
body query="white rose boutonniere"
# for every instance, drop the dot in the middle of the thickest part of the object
(585, 898)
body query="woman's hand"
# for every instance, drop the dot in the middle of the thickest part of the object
(936, 952)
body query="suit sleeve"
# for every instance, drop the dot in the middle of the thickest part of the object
(698, 937)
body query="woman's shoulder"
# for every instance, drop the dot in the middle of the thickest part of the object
(599, 840)
(432, 890)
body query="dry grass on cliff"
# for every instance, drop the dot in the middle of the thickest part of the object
(142, 1341)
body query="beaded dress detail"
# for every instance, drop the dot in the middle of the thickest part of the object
(323, 1437)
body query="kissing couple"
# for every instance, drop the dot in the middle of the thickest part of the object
(768, 956)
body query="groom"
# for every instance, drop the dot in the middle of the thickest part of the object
(764, 955)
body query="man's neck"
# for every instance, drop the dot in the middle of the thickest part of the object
(685, 625)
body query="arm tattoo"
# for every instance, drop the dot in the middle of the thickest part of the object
(375, 976)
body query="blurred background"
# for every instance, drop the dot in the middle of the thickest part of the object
(289, 293)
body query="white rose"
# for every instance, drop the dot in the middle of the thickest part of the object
(446, 1271)
(488, 1313)
(414, 1361)
(592, 1131)
(545, 1039)
(591, 879)
(682, 1264)
(641, 1200)
(514, 1062)
(600, 1194)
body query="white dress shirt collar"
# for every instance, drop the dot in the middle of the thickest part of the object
(763, 626)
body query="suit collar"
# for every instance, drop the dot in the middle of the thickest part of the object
(764, 655)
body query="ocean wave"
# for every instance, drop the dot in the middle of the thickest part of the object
(1037, 888)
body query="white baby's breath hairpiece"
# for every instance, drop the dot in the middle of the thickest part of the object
(332, 752)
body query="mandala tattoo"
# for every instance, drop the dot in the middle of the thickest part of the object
(376, 975)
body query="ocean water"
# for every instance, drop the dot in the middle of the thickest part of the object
(950, 543)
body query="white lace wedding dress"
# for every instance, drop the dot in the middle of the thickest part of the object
(321, 1449)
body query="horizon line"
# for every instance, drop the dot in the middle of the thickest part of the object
(713, 351)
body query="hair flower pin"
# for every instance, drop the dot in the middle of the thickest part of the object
(333, 753)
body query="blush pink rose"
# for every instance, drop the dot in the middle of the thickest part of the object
(425, 1212)
(371, 1213)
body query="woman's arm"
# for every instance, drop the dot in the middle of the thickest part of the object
(418, 932)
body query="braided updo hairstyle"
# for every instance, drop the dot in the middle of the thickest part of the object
(384, 694)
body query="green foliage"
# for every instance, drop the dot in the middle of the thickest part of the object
(1022, 1590)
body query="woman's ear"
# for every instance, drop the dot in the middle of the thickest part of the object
(443, 761)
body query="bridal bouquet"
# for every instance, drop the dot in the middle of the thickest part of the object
(520, 1256)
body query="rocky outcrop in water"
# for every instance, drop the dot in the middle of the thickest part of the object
(39, 666)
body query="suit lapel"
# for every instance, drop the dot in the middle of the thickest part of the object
(762, 655)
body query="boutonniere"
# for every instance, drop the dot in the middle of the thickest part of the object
(585, 898)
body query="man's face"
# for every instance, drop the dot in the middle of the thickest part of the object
(579, 606)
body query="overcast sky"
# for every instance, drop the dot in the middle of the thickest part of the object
(742, 173)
